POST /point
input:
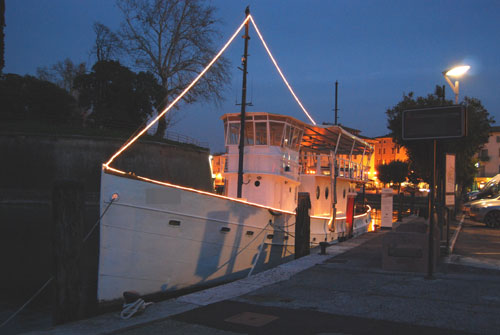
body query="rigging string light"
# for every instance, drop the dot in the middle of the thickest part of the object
(279, 71)
(249, 17)
(130, 142)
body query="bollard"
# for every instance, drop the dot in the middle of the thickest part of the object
(323, 246)
(67, 231)
(302, 225)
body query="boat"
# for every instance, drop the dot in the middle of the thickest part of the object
(159, 237)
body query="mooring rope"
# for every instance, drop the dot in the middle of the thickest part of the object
(40, 290)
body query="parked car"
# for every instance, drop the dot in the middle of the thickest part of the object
(484, 210)
(489, 190)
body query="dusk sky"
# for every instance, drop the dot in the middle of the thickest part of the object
(377, 50)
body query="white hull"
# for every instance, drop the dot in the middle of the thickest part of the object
(157, 238)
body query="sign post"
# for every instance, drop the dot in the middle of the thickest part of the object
(434, 124)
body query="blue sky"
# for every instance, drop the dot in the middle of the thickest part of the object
(377, 50)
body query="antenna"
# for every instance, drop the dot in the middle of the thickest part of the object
(336, 96)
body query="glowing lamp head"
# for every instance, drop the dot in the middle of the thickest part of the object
(457, 71)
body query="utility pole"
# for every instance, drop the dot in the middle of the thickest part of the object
(241, 147)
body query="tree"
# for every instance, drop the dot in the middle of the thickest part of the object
(2, 35)
(420, 153)
(63, 73)
(116, 97)
(174, 40)
(28, 99)
(399, 172)
(384, 173)
(107, 44)
(395, 172)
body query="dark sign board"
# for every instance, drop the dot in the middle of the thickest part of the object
(434, 123)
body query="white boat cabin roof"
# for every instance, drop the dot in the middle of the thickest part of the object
(282, 130)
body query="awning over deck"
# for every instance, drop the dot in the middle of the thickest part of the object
(324, 139)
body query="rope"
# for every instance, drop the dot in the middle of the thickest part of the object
(28, 302)
(133, 308)
(40, 290)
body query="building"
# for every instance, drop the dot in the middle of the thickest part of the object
(489, 156)
(386, 150)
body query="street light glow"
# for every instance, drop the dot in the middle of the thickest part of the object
(457, 71)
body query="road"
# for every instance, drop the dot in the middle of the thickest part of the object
(478, 242)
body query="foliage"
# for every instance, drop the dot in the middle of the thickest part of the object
(117, 97)
(107, 44)
(174, 40)
(32, 100)
(420, 153)
(384, 173)
(63, 73)
(395, 172)
(399, 171)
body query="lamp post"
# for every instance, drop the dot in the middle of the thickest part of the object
(455, 72)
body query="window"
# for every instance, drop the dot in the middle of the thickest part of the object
(484, 155)
(261, 133)
(384, 151)
(393, 150)
(287, 136)
(498, 139)
(297, 134)
(234, 133)
(249, 133)
(276, 132)
(318, 192)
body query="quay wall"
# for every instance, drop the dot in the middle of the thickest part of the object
(29, 166)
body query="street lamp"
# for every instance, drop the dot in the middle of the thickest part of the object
(455, 72)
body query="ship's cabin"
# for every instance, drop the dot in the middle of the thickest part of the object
(284, 156)
(271, 158)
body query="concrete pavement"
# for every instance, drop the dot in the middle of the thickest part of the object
(343, 292)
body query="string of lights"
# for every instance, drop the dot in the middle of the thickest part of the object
(174, 102)
(279, 71)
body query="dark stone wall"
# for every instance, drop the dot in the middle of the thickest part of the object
(29, 166)
(33, 162)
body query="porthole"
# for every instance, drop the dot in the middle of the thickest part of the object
(327, 191)
(318, 192)
(257, 183)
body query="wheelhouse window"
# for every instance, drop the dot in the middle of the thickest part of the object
(276, 132)
(261, 133)
(264, 130)
(249, 140)
(233, 135)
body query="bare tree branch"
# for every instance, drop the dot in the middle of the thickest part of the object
(174, 39)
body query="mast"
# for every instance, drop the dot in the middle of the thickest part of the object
(243, 106)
